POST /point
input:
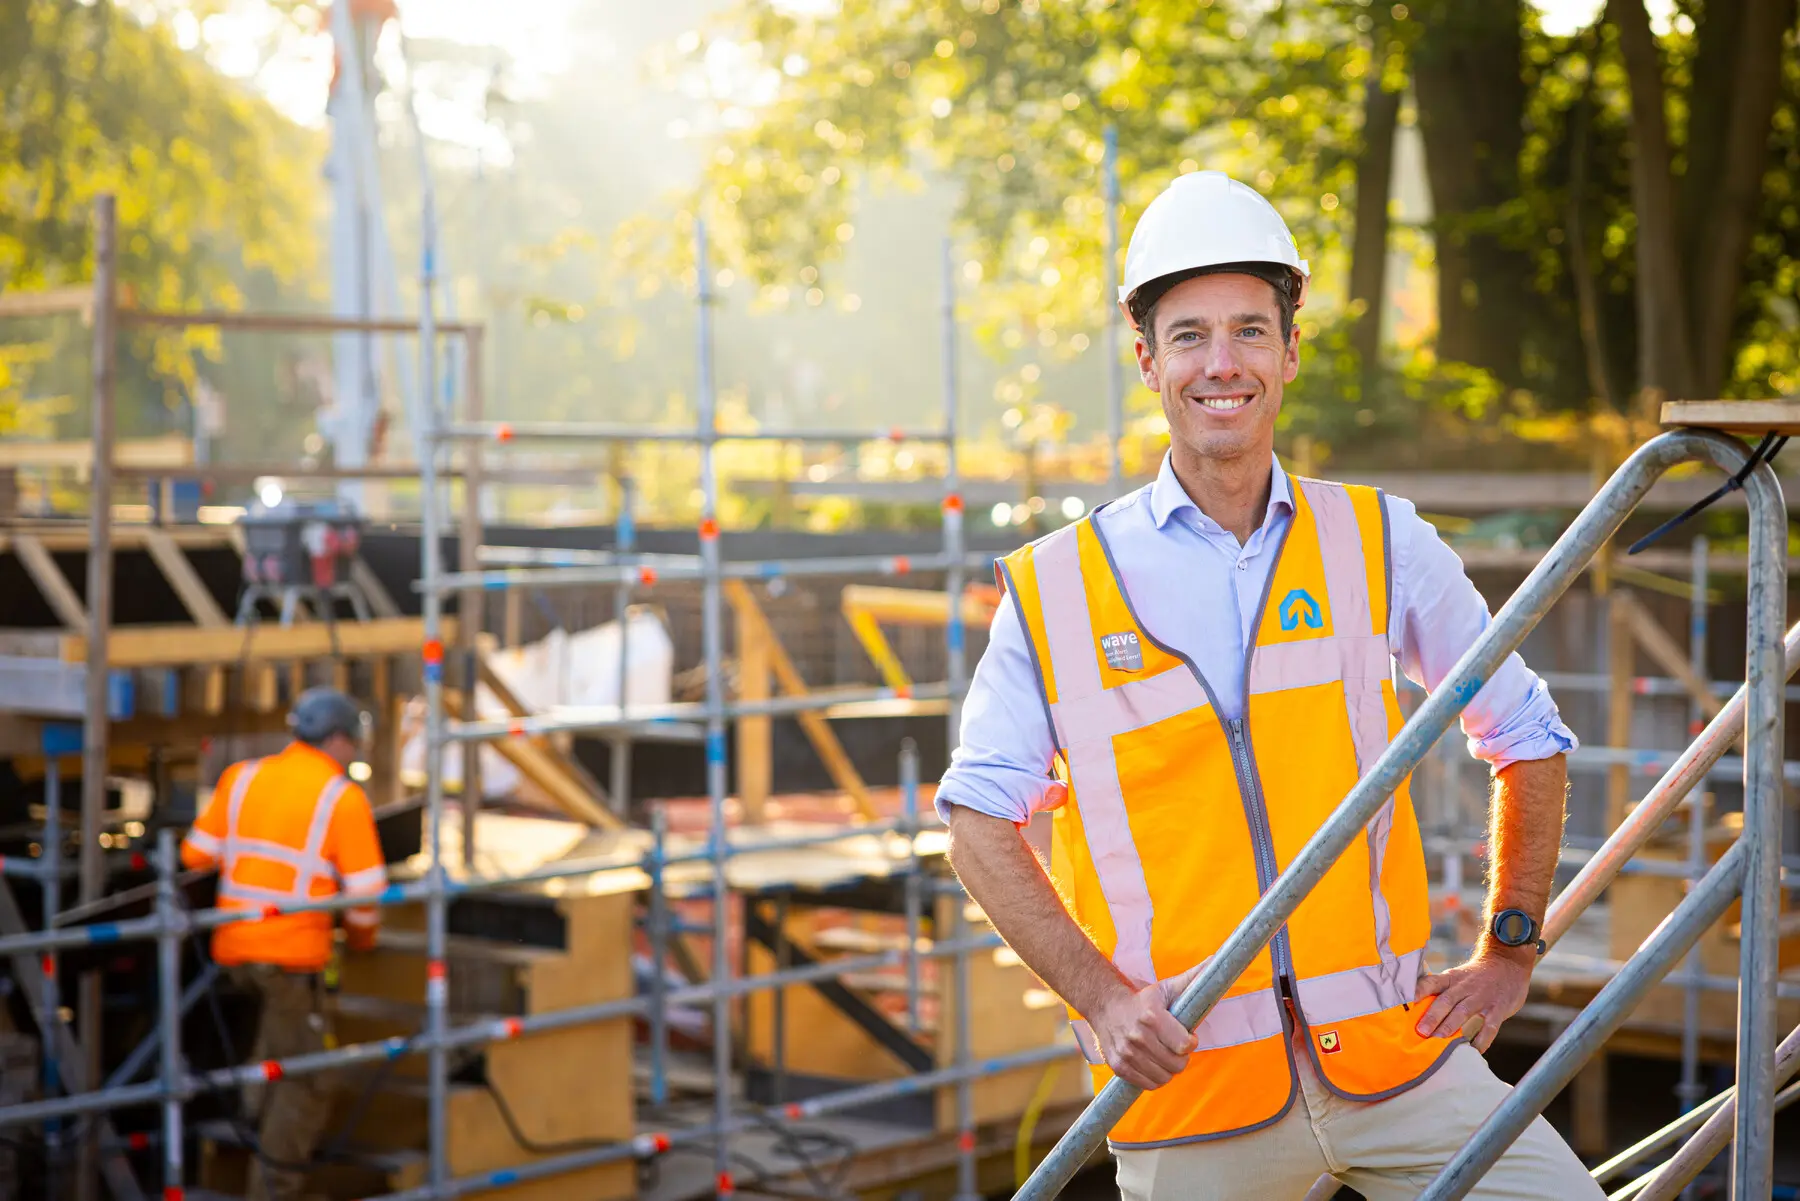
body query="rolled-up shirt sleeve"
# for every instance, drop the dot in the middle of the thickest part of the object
(1438, 615)
(1002, 765)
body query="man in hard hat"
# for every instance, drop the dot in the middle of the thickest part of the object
(1192, 678)
(285, 830)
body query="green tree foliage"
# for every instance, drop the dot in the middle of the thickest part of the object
(1528, 141)
(215, 190)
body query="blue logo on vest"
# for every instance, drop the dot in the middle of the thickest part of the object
(1299, 606)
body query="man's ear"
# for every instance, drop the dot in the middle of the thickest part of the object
(1147, 370)
(1290, 359)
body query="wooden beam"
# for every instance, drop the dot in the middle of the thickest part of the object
(562, 788)
(755, 753)
(285, 323)
(1750, 417)
(513, 705)
(541, 769)
(825, 743)
(364, 577)
(51, 582)
(1661, 647)
(182, 577)
(1590, 1109)
(50, 302)
(166, 453)
(184, 645)
(918, 606)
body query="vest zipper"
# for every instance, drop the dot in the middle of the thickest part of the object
(1263, 841)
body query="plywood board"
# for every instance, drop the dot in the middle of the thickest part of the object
(479, 1142)
(1012, 1012)
(1751, 417)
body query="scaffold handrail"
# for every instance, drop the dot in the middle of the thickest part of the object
(1586, 535)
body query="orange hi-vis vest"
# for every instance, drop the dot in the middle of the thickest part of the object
(284, 830)
(1177, 820)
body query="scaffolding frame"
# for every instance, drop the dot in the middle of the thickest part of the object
(435, 432)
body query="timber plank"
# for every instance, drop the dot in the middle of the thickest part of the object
(183, 645)
(1735, 416)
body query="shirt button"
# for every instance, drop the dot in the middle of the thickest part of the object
(1242, 565)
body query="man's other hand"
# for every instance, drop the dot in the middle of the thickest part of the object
(1141, 1040)
(1490, 987)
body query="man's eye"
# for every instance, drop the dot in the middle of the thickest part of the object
(1252, 331)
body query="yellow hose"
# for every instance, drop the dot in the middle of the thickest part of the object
(1028, 1121)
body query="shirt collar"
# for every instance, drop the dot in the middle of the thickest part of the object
(1168, 497)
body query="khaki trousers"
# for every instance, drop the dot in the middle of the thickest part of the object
(294, 1112)
(1386, 1150)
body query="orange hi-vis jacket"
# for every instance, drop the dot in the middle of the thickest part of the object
(284, 830)
(1177, 820)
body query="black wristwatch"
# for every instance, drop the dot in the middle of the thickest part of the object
(1515, 928)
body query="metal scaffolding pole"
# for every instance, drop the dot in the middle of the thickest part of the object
(52, 1000)
(168, 991)
(712, 637)
(96, 724)
(1690, 1091)
(909, 810)
(437, 986)
(1109, 345)
(1753, 1153)
(954, 640)
(625, 534)
(966, 1189)
(658, 937)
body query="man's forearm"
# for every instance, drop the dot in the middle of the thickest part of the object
(1525, 826)
(1007, 881)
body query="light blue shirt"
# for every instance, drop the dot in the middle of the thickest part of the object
(1196, 588)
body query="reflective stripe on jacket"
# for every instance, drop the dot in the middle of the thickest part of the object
(1177, 820)
(283, 830)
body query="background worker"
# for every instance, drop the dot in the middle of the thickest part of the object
(1192, 678)
(284, 830)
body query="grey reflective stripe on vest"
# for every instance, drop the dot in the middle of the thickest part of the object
(1361, 991)
(1347, 590)
(1093, 771)
(1232, 1022)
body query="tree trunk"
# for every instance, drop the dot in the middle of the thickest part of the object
(1665, 362)
(1587, 300)
(1467, 73)
(1725, 223)
(1369, 242)
(1717, 26)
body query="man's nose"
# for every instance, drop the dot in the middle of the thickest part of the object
(1221, 359)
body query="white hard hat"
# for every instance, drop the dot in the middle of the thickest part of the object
(1207, 219)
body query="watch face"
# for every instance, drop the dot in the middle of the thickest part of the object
(1512, 927)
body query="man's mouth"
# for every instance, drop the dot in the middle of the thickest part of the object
(1223, 404)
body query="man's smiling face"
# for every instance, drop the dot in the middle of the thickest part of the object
(1220, 363)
